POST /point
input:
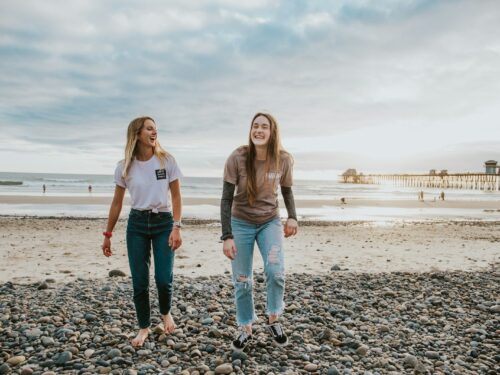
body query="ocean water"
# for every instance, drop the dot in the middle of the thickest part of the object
(76, 185)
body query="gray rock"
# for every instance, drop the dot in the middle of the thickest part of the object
(431, 354)
(4, 369)
(26, 371)
(311, 367)
(114, 353)
(225, 368)
(332, 371)
(33, 333)
(117, 273)
(64, 357)
(410, 361)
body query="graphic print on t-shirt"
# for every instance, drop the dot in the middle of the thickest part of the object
(161, 174)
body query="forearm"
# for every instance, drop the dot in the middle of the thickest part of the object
(114, 214)
(289, 202)
(177, 207)
(226, 204)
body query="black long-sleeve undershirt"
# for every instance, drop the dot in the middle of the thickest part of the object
(226, 204)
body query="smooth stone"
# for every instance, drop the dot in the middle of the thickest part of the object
(225, 368)
(48, 341)
(43, 285)
(90, 317)
(4, 368)
(362, 350)
(495, 309)
(114, 353)
(410, 361)
(26, 371)
(117, 273)
(130, 372)
(332, 371)
(14, 361)
(310, 367)
(33, 333)
(432, 355)
(88, 353)
(64, 357)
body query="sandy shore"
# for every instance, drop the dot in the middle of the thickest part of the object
(300, 203)
(33, 249)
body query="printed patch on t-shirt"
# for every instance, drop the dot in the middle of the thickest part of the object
(161, 174)
(274, 175)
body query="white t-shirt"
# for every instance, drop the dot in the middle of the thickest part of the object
(148, 183)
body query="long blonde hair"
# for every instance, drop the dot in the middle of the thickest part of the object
(134, 128)
(274, 149)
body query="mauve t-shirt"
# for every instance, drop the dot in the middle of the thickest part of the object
(265, 206)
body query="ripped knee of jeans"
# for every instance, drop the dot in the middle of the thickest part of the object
(242, 281)
(274, 256)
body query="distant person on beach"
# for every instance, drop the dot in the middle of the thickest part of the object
(90, 188)
(342, 201)
(151, 175)
(441, 196)
(252, 216)
(44, 188)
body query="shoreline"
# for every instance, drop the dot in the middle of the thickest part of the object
(300, 203)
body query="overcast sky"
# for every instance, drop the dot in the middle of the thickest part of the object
(381, 86)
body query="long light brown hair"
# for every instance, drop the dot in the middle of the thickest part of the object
(134, 128)
(274, 149)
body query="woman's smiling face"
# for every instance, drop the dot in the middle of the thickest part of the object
(147, 135)
(260, 131)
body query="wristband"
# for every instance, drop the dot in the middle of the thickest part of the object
(107, 234)
(178, 224)
(226, 236)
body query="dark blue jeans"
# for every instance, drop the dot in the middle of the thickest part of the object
(144, 229)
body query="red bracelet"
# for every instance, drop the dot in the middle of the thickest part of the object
(107, 234)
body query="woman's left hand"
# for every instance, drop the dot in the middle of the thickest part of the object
(175, 240)
(291, 227)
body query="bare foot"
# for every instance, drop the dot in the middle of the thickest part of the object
(168, 323)
(141, 336)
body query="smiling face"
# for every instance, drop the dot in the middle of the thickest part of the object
(147, 135)
(260, 131)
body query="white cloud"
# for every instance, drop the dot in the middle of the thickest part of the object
(358, 80)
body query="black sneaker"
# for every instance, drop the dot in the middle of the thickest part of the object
(278, 334)
(241, 341)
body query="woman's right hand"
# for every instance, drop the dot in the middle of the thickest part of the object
(229, 248)
(106, 247)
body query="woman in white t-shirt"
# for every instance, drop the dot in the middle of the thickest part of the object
(151, 175)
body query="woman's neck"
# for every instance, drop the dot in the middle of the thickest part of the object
(144, 153)
(261, 152)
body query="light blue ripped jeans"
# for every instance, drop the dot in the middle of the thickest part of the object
(269, 237)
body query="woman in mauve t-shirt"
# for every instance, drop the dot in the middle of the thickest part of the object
(152, 176)
(252, 215)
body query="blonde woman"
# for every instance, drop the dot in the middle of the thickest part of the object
(252, 216)
(152, 176)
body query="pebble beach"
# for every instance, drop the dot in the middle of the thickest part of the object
(362, 298)
(340, 323)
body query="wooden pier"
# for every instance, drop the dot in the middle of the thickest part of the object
(471, 181)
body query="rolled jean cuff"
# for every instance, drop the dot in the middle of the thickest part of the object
(246, 323)
(277, 312)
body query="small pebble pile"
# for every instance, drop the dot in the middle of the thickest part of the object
(340, 323)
